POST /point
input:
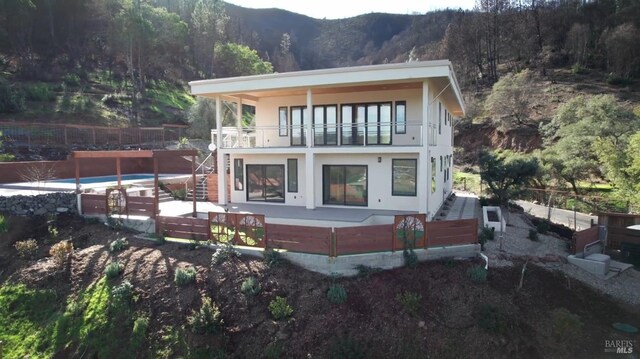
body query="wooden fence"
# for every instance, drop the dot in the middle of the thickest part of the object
(93, 203)
(97, 204)
(315, 240)
(184, 227)
(621, 220)
(617, 237)
(141, 206)
(582, 238)
(450, 233)
(352, 240)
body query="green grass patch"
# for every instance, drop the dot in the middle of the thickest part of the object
(167, 95)
(466, 181)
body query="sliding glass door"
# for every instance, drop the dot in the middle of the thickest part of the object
(265, 183)
(344, 185)
(297, 126)
(372, 121)
(325, 119)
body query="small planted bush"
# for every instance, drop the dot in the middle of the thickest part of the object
(366, 271)
(477, 274)
(113, 269)
(280, 309)
(61, 252)
(543, 227)
(207, 319)
(273, 258)
(410, 302)
(224, 253)
(337, 294)
(273, 350)
(533, 235)
(487, 234)
(118, 245)
(139, 333)
(4, 225)
(121, 295)
(185, 276)
(410, 258)
(250, 286)
(26, 249)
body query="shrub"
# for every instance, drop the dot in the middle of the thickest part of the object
(4, 224)
(139, 333)
(113, 269)
(337, 294)
(410, 258)
(273, 350)
(207, 319)
(250, 286)
(11, 99)
(366, 271)
(347, 348)
(491, 319)
(7, 157)
(223, 253)
(61, 252)
(566, 326)
(487, 234)
(39, 92)
(579, 69)
(72, 80)
(180, 194)
(118, 245)
(280, 309)
(121, 295)
(53, 230)
(410, 302)
(273, 258)
(477, 274)
(185, 276)
(26, 249)
(533, 235)
(543, 227)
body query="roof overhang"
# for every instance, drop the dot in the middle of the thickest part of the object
(337, 80)
(134, 154)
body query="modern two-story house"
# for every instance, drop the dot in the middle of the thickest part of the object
(378, 137)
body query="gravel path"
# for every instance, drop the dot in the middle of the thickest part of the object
(550, 252)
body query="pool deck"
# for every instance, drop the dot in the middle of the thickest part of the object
(282, 214)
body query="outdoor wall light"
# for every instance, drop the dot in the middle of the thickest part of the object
(379, 159)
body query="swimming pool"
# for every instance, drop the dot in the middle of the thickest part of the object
(101, 179)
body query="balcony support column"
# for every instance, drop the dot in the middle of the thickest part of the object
(310, 179)
(239, 122)
(309, 119)
(424, 162)
(218, 123)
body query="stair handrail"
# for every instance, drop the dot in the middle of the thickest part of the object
(200, 167)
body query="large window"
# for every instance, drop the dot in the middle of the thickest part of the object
(401, 117)
(344, 185)
(292, 175)
(282, 122)
(404, 173)
(238, 174)
(265, 183)
(297, 126)
(372, 121)
(325, 121)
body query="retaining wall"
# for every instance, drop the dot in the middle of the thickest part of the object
(43, 204)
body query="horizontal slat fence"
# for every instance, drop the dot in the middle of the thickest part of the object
(353, 240)
(93, 203)
(452, 233)
(617, 236)
(315, 240)
(184, 227)
(582, 238)
(141, 206)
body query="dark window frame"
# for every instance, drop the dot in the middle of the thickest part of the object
(415, 182)
(303, 139)
(263, 170)
(324, 124)
(404, 119)
(283, 130)
(354, 125)
(238, 175)
(291, 186)
(366, 187)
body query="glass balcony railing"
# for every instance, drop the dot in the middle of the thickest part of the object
(325, 135)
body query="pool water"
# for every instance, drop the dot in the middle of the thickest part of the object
(101, 179)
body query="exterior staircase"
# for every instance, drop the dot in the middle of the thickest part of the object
(201, 188)
(164, 196)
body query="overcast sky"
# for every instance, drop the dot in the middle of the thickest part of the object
(337, 9)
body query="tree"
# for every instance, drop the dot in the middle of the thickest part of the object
(623, 50)
(208, 21)
(576, 126)
(506, 173)
(202, 118)
(239, 60)
(510, 100)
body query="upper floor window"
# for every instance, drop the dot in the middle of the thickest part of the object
(401, 117)
(282, 122)
(325, 125)
(370, 122)
(298, 132)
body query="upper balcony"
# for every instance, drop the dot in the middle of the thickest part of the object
(326, 135)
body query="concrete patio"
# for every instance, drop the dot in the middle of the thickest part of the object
(281, 214)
